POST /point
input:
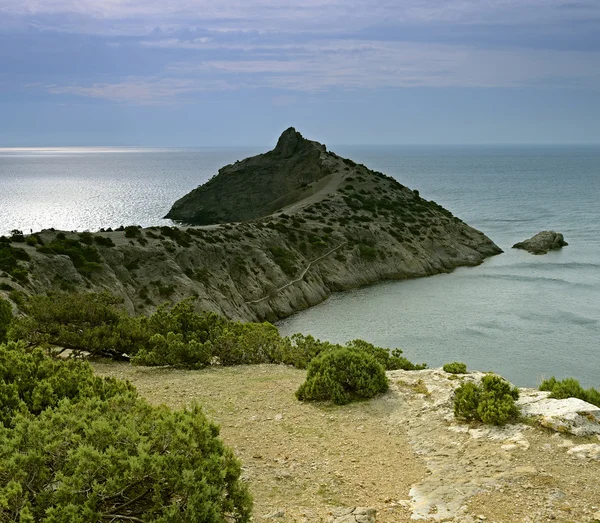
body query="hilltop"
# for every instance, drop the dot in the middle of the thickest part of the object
(313, 223)
(260, 185)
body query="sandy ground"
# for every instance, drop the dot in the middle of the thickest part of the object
(400, 453)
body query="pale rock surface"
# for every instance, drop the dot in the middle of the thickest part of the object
(464, 460)
(570, 415)
(353, 515)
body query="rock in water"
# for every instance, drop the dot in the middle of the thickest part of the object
(542, 242)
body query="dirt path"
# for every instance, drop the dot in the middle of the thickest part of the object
(401, 453)
(299, 278)
(319, 190)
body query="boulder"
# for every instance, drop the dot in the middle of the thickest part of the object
(542, 242)
(570, 415)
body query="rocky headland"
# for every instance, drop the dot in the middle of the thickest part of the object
(271, 235)
(542, 243)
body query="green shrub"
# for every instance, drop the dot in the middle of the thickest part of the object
(105, 241)
(78, 448)
(180, 236)
(367, 252)
(20, 274)
(466, 401)
(10, 257)
(285, 260)
(86, 237)
(93, 323)
(174, 335)
(17, 236)
(6, 317)
(85, 258)
(492, 403)
(388, 360)
(132, 231)
(455, 368)
(570, 388)
(343, 375)
(31, 382)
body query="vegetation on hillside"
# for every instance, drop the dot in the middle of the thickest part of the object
(174, 335)
(10, 258)
(79, 448)
(76, 447)
(83, 254)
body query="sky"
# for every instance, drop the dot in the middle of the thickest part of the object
(238, 72)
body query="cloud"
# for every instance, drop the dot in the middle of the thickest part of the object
(355, 65)
(135, 16)
(151, 51)
(138, 91)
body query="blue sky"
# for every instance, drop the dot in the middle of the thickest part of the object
(234, 72)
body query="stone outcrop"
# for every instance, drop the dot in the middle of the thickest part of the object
(353, 515)
(340, 226)
(464, 460)
(569, 415)
(542, 243)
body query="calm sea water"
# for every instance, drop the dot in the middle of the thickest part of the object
(524, 316)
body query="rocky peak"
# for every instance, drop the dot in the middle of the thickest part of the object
(291, 142)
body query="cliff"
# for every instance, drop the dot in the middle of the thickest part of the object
(337, 225)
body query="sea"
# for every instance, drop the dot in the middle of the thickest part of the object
(526, 317)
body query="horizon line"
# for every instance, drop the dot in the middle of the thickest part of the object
(8, 148)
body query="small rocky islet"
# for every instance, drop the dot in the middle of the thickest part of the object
(542, 243)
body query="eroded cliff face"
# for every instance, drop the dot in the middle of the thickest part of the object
(348, 227)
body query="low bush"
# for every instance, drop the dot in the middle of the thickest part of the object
(342, 375)
(178, 235)
(6, 317)
(570, 388)
(389, 360)
(367, 252)
(31, 382)
(17, 236)
(10, 258)
(285, 259)
(493, 402)
(104, 241)
(132, 231)
(86, 237)
(85, 258)
(81, 322)
(75, 447)
(455, 368)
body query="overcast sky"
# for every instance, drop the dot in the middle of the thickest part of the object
(238, 72)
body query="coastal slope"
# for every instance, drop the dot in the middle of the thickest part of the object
(313, 224)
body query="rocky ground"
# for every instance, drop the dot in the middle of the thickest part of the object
(402, 454)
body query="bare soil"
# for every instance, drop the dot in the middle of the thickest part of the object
(400, 453)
